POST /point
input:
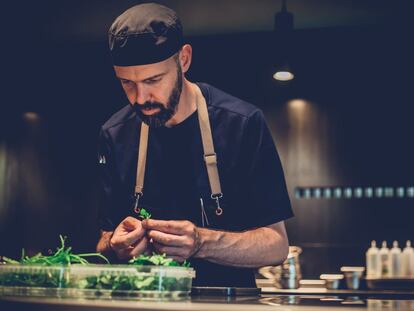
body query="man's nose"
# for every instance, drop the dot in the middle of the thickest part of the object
(142, 95)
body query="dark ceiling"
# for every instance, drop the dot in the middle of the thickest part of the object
(89, 20)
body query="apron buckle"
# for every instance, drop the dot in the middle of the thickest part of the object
(138, 195)
(217, 197)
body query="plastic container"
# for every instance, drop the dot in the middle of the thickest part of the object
(395, 260)
(373, 261)
(32, 280)
(384, 255)
(33, 276)
(129, 280)
(96, 281)
(407, 262)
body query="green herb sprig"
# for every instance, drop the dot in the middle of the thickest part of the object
(62, 256)
(143, 214)
(157, 260)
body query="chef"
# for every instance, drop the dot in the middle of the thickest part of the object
(200, 161)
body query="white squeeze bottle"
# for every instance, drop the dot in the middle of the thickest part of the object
(373, 261)
(384, 255)
(395, 260)
(407, 261)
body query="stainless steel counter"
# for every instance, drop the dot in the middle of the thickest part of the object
(365, 293)
(263, 302)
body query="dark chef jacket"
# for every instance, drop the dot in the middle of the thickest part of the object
(251, 175)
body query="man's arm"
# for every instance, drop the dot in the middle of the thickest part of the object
(252, 248)
(263, 246)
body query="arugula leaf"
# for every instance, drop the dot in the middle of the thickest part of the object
(9, 260)
(62, 256)
(157, 260)
(143, 214)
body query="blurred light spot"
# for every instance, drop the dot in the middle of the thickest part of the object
(298, 193)
(369, 192)
(379, 191)
(327, 193)
(317, 193)
(297, 104)
(389, 192)
(358, 192)
(31, 116)
(338, 193)
(348, 193)
(283, 76)
(400, 192)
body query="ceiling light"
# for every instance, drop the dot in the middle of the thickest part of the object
(283, 76)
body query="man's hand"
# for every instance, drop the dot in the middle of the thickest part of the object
(129, 239)
(177, 239)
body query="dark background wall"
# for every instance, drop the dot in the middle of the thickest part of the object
(346, 120)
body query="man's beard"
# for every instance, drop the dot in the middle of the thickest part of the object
(166, 112)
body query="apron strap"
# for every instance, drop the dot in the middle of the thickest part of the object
(142, 159)
(210, 156)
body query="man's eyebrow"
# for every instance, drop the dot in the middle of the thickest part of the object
(155, 76)
(146, 79)
(120, 78)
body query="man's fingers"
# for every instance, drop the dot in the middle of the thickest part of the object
(139, 248)
(131, 223)
(135, 235)
(124, 241)
(166, 238)
(168, 226)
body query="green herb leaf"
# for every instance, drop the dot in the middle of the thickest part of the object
(157, 260)
(62, 256)
(143, 214)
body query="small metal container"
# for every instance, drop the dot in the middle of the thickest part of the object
(332, 281)
(353, 276)
(288, 274)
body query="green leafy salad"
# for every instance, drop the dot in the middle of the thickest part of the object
(62, 256)
(42, 270)
(65, 269)
(149, 276)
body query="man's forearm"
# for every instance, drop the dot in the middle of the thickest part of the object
(254, 248)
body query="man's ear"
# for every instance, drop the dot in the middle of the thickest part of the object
(185, 57)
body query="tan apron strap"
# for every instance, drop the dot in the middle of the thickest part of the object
(142, 159)
(209, 154)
